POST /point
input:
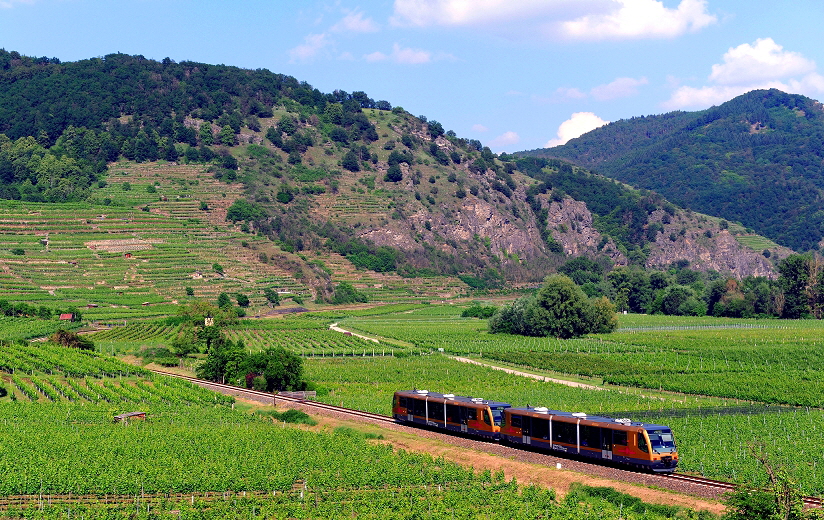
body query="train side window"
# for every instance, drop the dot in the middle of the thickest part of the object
(642, 443)
(619, 437)
(420, 407)
(487, 417)
(516, 421)
(436, 410)
(402, 401)
(453, 413)
(564, 432)
(540, 428)
(590, 436)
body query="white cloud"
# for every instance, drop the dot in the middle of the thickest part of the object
(641, 19)
(8, 4)
(763, 60)
(423, 13)
(761, 65)
(505, 139)
(410, 56)
(312, 45)
(407, 56)
(576, 19)
(577, 125)
(479, 128)
(621, 87)
(376, 56)
(355, 22)
(569, 93)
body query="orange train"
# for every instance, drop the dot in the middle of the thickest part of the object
(620, 441)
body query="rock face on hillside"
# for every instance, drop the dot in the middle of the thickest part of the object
(571, 225)
(707, 247)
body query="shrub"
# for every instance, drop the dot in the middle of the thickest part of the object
(72, 340)
(560, 309)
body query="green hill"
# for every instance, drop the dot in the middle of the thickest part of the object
(182, 166)
(756, 159)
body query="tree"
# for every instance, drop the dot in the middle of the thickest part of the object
(282, 369)
(242, 300)
(184, 343)
(223, 361)
(794, 280)
(345, 292)
(350, 161)
(272, 296)
(72, 340)
(559, 309)
(287, 124)
(242, 209)
(781, 500)
(223, 300)
(217, 268)
(205, 134)
(393, 174)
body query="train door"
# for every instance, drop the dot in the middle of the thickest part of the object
(606, 444)
(464, 415)
(526, 430)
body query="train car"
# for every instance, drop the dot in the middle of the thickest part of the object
(622, 441)
(453, 413)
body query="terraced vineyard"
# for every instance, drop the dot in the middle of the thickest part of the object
(141, 248)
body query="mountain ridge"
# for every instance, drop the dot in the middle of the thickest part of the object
(757, 159)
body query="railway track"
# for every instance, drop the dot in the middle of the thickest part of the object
(716, 485)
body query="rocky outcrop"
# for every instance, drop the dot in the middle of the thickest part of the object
(571, 225)
(706, 246)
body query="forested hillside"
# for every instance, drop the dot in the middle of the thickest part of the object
(757, 159)
(327, 174)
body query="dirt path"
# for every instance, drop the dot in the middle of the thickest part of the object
(335, 327)
(527, 374)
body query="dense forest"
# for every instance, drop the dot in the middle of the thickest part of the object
(757, 159)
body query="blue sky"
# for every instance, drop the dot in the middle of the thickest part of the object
(515, 74)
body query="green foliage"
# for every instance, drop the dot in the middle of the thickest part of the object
(242, 209)
(242, 300)
(291, 415)
(346, 293)
(350, 161)
(560, 309)
(72, 340)
(271, 296)
(224, 301)
(285, 195)
(479, 311)
(393, 174)
(216, 267)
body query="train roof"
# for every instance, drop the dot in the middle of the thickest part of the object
(538, 411)
(453, 397)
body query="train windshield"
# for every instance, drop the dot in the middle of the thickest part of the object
(661, 440)
(498, 414)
